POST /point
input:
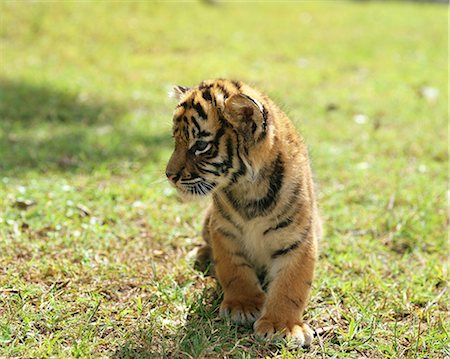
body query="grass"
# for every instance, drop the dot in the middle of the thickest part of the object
(97, 252)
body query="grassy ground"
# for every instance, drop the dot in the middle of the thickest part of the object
(96, 251)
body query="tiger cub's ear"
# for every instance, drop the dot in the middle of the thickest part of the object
(178, 92)
(246, 115)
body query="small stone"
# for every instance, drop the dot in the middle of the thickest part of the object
(360, 119)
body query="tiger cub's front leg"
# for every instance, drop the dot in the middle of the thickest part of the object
(243, 296)
(291, 273)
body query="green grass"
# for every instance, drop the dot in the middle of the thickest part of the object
(96, 252)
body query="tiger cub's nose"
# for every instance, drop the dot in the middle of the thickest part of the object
(173, 177)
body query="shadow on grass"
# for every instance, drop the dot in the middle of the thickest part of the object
(44, 129)
(202, 335)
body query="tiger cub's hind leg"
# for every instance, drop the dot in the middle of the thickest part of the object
(203, 261)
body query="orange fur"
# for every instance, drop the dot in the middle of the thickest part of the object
(234, 143)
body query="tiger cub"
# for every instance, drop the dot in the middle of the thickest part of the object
(235, 144)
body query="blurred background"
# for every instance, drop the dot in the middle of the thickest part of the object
(86, 216)
(84, 83)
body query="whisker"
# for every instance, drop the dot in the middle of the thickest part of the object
(204, 189)
(200, 187)
(159, 181)
(194, 181)
(209, 185)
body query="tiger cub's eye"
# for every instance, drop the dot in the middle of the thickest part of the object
(201, 147)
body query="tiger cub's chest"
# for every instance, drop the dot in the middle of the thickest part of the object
(253, 216)
(259, 245)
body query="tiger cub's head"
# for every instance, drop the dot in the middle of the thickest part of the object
(216, 126)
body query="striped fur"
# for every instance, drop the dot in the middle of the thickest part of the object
(235, 144)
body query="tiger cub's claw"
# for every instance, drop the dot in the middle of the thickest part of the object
(300, 333)
(245, 311)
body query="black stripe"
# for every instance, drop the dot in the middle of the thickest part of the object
(265, 118)
(194, 121)
(203, 85)
(295, 302)
(225, 215)
(280, 225)
(216, 165)
(242, 169)
(264, 173)
(193, 131)
(226, 94)
(218, 136)
(212, 153)
(240, 172)
(206, 94)
(186, 127)
(186, 132)
(263, 134)
(226, 233)
(293, 199)
(223, 121)
(234, 202)
(229, 151)
(275, 184)
(228, 163)
(291, 207)
(201, 112)
(183, 104)
(204, 170)
(237, 84)
(284, 251)
(204, 133)
(228, 283)
(260, 207)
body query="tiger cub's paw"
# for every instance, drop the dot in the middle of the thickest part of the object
(300, 333)
(242, 310)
